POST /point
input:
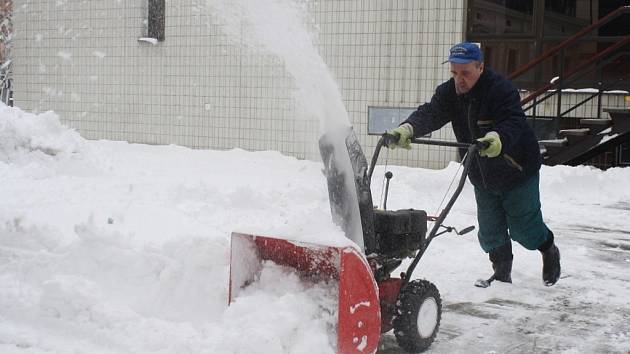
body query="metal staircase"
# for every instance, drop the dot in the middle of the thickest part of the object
(596, 136)
(588, 140)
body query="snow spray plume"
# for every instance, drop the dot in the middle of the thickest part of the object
(278, 27)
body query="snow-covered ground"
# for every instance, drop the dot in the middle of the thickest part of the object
(110, 247)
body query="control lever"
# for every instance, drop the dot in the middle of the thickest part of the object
(451, 229)
(465, 230)
(389, 176)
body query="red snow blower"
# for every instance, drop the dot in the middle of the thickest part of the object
(371, 301)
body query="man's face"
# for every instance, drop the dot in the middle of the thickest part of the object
(466, 75)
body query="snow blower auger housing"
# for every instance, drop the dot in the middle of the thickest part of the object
(371, 301)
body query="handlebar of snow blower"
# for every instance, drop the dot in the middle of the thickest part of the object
(473, 149)
(387, 139)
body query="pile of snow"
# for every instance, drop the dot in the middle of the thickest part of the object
(568, 183)
(23, 133)
(110, 247)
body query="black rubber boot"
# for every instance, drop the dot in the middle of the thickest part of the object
(551, 261)
(501, 258)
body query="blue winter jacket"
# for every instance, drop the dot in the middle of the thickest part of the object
(493, 104)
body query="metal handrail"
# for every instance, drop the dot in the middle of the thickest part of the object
(569, 41)
(615, 82)
(608, 87)
(570, 75)
(575, 70)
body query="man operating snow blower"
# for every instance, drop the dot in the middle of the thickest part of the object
(484, 106)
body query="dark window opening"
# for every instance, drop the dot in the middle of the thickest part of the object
(619, 26)
(156, 19)
(501, 17)
(564, 7)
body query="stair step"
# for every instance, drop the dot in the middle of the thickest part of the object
(574, 132)
(618, 114)
(575, 139)
(594, 121)
(617, 110)
(553, 150)
(574, 136)
(553, 146)
(554, 142)
(596, 125)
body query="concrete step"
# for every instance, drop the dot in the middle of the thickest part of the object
(617, 114)
(574, 136)
(554, 142)
(596, 121)
(595, 125)
(621, 111)
(551, 147)
(574, 132)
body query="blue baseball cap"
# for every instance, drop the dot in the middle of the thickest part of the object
(464, 53)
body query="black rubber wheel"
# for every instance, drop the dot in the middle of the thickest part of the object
(417, 317)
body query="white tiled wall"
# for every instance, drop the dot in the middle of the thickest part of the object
(82, 60)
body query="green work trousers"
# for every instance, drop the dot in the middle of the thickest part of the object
(513, 214)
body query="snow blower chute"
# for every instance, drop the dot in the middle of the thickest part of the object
(370, 300)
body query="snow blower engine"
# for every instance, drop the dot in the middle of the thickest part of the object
(370, 300)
